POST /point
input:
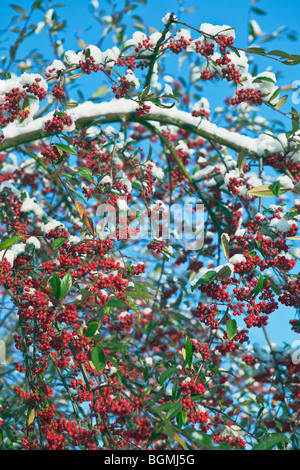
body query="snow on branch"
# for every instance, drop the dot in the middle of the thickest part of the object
(125, 110)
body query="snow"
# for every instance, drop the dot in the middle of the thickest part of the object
(203, 103)
(52, 225)
(57, 65)
(34, 241)
(29, 205)
(71, 58)
(132, 79)
(237, 259)
(168, 90)
(155, 170)
(94, 52)
(48, 16)
(214, 30)
(283, 225)
(285, 181)
(106, 180)
(256, 30)
(39, 27)
(110, 56)
(166, 18)
(121, 106)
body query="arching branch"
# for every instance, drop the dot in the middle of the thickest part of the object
(125, 110)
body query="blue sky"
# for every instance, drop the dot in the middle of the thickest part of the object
(234, 13)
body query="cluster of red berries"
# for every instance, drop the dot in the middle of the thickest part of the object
(224, 42)
(57, 124)
(58, 92)
(248, 95)
(179, 45)
(142, 110)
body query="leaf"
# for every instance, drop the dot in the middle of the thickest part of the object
(58, 242)
(263, 79)
(231, 328)
(139, 294)
(297, 237)
(98, 358)
(259, 285)
(281, 102)
(81, 43)
(258, 11)
(265, 191)
(66, 285)
(188, 351)
(80, 209)
(89, 224)
(269, 442)
(224, 273)
(207, 277)
(134, 307)
(241, 159)
(139, 26)
(174, 410)
(66, 149)
(11, 241)
(30, 417)
(275, 188)
(72, 104)
(19, 10)
(256, 50)
(92, 327)
(55, 284)
(166, 375)
(201, 439)
(116, 303)
(100, 91)
(225, 245)
(281, 54)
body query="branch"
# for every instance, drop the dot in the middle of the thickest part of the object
(125, 110)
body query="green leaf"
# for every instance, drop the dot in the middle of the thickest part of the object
(11, 241)
(258, 11)
(166, 375)
(269, 442)
(133, 305)
(55, 284)
(259, 285)
(19, 10)
(66, 285)
(265, 191)
(201, 439)
(275, 188)
(139, 294)
(188, 351)
(174, 410)
(92, 327)
(231, 328)
(58, 242)
(207, 277)
(256, 50)
(98, 358)
(224, 273)
(263, 79)
(241, 159)
(129, 268)
(116, 303)
(147, 390)
(66, 149)
(86, 173)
